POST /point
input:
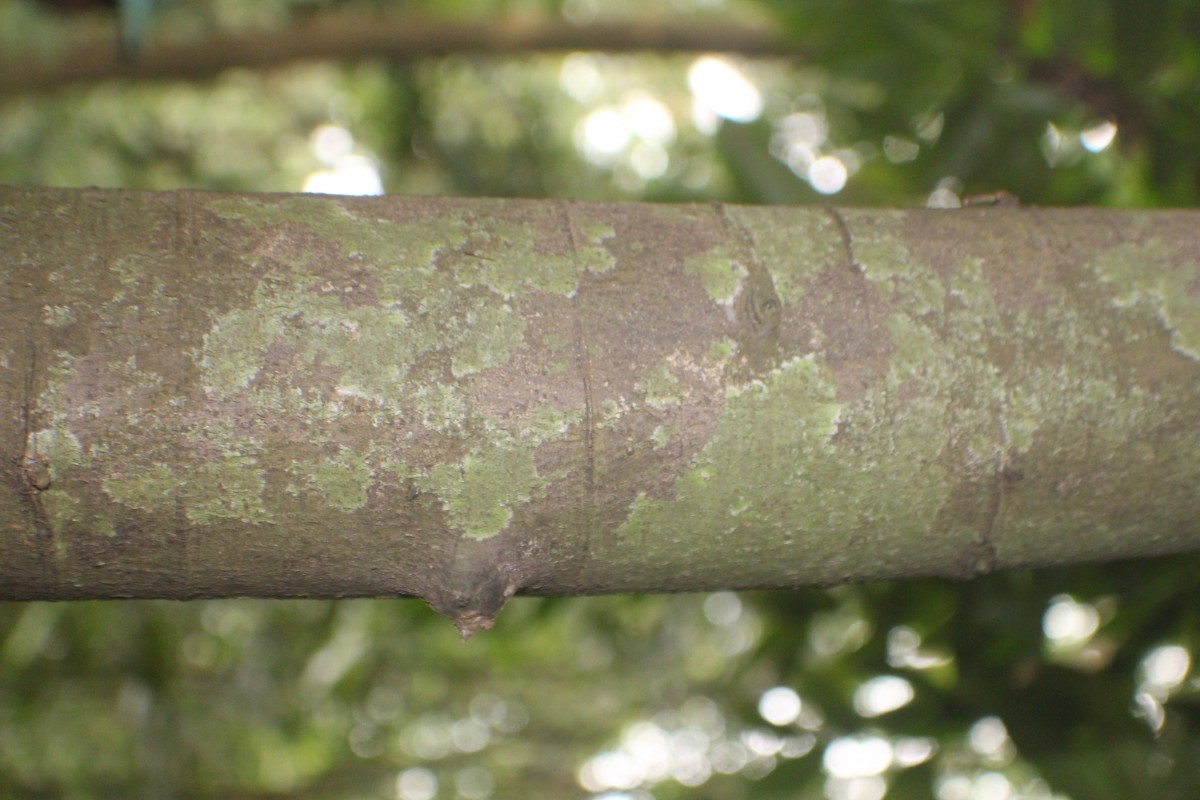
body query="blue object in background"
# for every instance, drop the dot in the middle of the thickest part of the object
(136, 18)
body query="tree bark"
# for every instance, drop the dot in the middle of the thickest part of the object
(275, 395)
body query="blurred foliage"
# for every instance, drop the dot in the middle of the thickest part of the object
(1061, 683)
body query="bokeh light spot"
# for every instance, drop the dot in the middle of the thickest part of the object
(779, 706)
(417, 783)
(720, 87)
(1098, 137)
(881, 695)
(857, 756)
(828, 175)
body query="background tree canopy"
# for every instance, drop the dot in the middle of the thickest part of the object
(1064, 683)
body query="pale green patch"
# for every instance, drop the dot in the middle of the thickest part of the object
(740, 506)
(1140, 273)
(150, 489)
(130, 270)
(662, 389)
(375, 241)
(795, 245)
(295, 402)
(133, 378)
(227, 490)
(511, 263)
(1022, 418)
(440, 407)
(661, 436)
(425, 263)
(915, 344)
(766, 433)
(887, 262)
(593, 256)
(58, 446)
(60, 372)
(341, 482)
(139, 276)
(722, 350)
(497, 332)
(234, 350)
(60, 506)
(58, 316)
(548, 423)
(972, 309)
(719, 273)
(480, 492)
(610, 412)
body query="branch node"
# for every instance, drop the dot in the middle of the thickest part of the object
(476, 584)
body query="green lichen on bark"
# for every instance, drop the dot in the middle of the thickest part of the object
(406, 308)
(661, 388)
(1149, 273)
(592, 255)
(341, 481)
(765, 436)
(982, 381)
(719, 272)
(349, 318)
(150, 489)
(479, 492)
(230, 489)
(795, 248)
(437, 291)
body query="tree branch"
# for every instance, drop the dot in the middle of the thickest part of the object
(291, 395)
(352, 36)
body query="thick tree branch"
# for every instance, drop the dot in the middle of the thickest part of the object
(280, 395)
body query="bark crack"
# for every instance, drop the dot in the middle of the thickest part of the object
(839, 220)
(985, 560)
(584, 362)
(847, 240)
(34, 472)
(1005, 477)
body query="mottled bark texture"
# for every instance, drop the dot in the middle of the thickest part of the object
(273, 395)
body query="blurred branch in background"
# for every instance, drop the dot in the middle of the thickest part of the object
(352, 36)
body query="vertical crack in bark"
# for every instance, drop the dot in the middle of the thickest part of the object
(839, 220)
(34, 473)
(1005, 477)
(584, 361)
(985, 560)
(847, 240)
